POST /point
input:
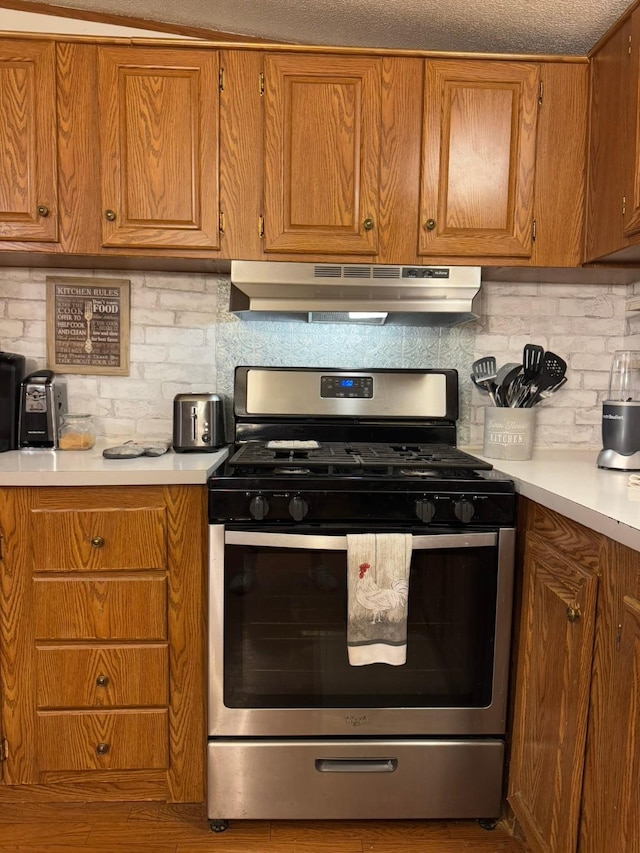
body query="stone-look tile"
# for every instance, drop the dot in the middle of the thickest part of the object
(183, 338)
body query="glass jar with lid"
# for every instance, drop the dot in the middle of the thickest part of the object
(77, 432)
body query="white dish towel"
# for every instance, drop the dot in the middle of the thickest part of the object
(377, 597)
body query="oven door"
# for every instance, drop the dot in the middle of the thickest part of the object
(278, 648)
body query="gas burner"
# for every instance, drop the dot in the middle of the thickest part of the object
(419, 472)
(293, 471)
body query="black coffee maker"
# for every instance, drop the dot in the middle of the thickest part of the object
(12, 368)
(621, 414)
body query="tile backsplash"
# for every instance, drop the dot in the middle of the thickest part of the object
(184, 339)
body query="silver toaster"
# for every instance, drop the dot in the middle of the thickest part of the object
(198, 422)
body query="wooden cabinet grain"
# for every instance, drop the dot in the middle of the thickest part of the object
(159, 140)
(552, 694)
(102, 638)
(172, 155)
(611, 806)
(478, 158)
(575, 754)
(322, 125)
(28, 141)
(608, 145)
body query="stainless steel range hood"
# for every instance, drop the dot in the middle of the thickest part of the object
(381, 294)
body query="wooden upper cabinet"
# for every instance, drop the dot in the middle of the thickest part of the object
(608, 144)
(631, 214)
(478, 161)
(28, 177)
(322, 118)
(159, 140)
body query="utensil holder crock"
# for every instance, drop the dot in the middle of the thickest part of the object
(509, 433)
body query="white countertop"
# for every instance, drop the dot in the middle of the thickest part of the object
(569, 482)
(90, 468)
(566, 481)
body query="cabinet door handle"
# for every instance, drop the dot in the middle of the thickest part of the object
(573, 614)
(102, 748)
(110, 215)
(102, 681)
(368, 224)
(430, 224)
(97, 541)
(42, 210)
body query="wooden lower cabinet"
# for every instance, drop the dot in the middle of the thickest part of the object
(575, 744)
(611, 800)
(102, 643)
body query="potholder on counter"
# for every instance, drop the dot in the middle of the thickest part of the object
(133, 449)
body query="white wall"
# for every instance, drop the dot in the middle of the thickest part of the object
(583, 324)
(184, 339)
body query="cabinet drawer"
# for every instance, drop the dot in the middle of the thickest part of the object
(92, 676)
(115, 740)
(99, 540)
(99, 608)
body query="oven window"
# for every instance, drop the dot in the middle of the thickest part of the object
(285, 632)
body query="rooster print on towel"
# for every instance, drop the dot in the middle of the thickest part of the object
(378, 594)
(380, 601)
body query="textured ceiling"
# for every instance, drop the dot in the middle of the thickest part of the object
(493, 26)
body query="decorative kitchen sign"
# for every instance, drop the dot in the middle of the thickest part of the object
(88, 325)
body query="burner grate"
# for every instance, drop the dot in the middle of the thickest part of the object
(356, 458)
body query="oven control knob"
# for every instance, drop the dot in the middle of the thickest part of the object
(258, 507)
(425, 510)
(298, 508)
(464, 510)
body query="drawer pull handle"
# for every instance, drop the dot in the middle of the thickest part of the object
(573, 614)
(102, 680)
(102, 749)
(356, 765)
(97, 541)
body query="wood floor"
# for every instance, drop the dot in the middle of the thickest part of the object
(155, 828)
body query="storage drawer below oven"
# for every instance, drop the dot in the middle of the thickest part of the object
(351, 779)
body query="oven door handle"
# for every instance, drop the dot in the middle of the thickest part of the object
(310, 542)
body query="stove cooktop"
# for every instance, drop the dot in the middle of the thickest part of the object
(355, 459)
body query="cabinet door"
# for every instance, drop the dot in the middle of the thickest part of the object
(628, 718)
(610, 77)
(631, 215)
(322, 153)
(552, 697)
(159, 135)
(611, 805)
(28, 177)
(478, 161)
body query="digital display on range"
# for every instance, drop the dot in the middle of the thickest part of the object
(346, 386)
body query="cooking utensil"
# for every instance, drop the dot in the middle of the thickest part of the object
(483, 374)
(532, 358)
(553, 370)
(549, 391)
(505, 377)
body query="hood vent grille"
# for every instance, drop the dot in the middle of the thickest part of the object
(385, 293)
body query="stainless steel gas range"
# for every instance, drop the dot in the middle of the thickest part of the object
(323, 457)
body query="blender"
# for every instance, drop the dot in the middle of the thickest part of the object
(621, 414)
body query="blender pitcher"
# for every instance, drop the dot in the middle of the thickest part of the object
(621, 414)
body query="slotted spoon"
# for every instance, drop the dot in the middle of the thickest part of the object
(553, 371)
